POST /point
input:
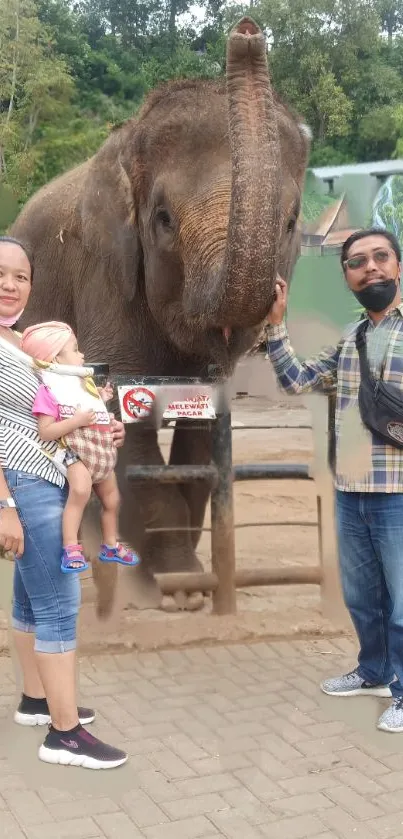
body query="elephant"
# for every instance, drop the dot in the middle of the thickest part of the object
(162, 251)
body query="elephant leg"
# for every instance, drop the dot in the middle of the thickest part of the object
(155, 518)
(112, 590)
(193, 446)
(157, 521)
(157, 512)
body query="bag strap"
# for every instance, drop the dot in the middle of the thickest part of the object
(52, 367)
(52, 458)
(360, 343)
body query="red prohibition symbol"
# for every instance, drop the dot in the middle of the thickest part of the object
(138, 402)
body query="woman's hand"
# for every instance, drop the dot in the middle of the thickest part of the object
(118, 431)
(11, 532)
(278, 309)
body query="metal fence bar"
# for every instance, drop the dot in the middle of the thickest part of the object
(245, 578)
(172, 474)
(155, 381)
(222, 515)
(191, 425)
(272, 471)
(331, 431)
(236, 526)
(244, 472)
(270, 427)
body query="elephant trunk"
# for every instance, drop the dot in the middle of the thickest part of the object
(250, 264)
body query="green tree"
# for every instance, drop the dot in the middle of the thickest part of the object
(391, 16)
(377, 134)
(398, 126)
(330, 61)
(35, 87)
(69, 71)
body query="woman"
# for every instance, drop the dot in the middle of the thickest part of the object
(32, 497)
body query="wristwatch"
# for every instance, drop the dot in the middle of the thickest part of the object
(7, 502)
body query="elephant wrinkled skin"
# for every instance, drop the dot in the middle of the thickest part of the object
(162, 251)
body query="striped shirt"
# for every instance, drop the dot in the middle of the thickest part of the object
(18, 387)
(363, 463)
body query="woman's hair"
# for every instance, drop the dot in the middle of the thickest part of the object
(28, 253)
(371, 231)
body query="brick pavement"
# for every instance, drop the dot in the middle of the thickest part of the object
(232, 742)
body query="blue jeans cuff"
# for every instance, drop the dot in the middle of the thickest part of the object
(22, 627)
(54, 646)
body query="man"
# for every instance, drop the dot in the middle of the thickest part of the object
(369, 497)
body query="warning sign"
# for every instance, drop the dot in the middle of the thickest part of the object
(194, 407)
(136, 403)
(181, 402)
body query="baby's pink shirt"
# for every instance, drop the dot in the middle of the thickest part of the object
(45, 403)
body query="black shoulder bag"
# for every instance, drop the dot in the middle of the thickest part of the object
(380, 403)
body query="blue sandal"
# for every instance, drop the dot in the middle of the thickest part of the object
(119, 554)
(73, 554)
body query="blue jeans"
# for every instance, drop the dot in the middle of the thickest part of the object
(370, 538)
(45, 601)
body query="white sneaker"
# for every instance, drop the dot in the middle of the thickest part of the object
(351, 684)
(392, 719)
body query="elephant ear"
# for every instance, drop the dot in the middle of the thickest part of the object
(108, 219)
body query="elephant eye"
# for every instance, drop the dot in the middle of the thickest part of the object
(162, 217)
(291, 225)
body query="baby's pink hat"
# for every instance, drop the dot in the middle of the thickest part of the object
(44, 341)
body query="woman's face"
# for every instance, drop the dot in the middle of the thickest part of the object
(15, 279)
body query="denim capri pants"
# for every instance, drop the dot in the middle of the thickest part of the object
(45, 601)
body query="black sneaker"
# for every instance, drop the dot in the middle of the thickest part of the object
(36, 712)
(79, 748)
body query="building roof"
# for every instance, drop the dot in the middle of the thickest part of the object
(380, 167)
(328, 217)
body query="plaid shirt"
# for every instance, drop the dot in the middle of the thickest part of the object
(336, 369)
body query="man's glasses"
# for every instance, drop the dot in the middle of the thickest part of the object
(362, 259)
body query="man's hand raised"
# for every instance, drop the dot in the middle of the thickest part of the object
(278, 309)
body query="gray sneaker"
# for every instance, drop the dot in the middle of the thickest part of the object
(351, 684)
(392, 719)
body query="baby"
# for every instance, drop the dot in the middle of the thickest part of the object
(69, 408)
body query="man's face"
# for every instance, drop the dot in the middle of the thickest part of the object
(370, 260)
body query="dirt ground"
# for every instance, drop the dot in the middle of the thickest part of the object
(275, 611)
(268, 502)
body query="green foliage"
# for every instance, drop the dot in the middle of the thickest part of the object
(323, 154)
(182, 63)
(332, 62)
(378, 131)
(71, 71)
(35, 88)
(313, 204)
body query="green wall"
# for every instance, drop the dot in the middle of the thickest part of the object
(318, 288)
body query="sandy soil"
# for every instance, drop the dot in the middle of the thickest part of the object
(261, 612)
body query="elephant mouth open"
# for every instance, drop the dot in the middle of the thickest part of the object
(225, 346)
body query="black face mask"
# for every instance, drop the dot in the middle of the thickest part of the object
(377, 296)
